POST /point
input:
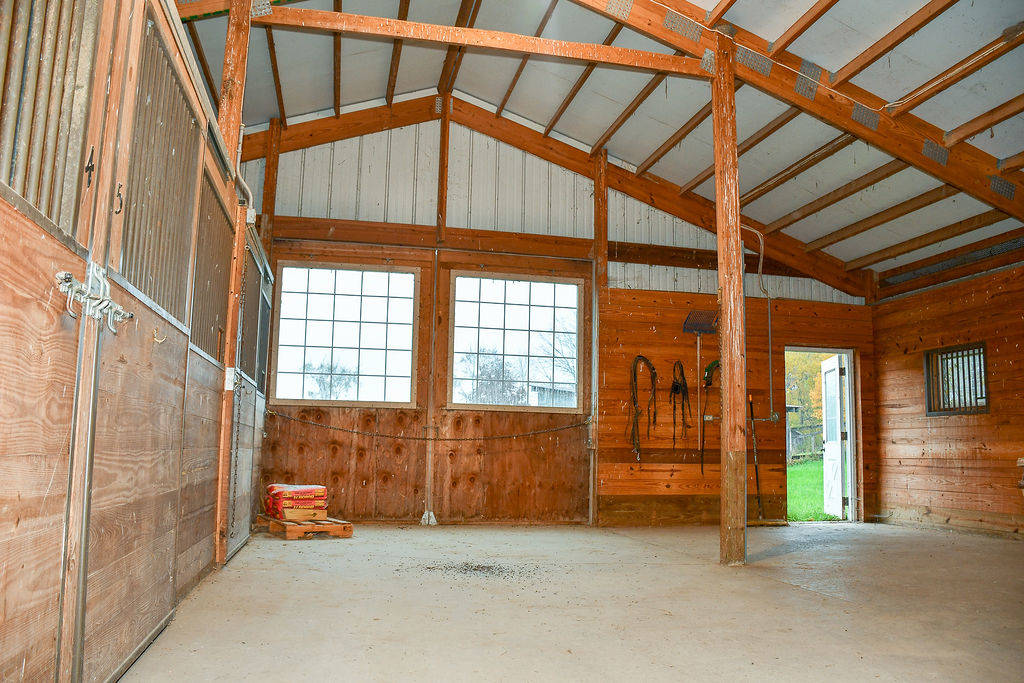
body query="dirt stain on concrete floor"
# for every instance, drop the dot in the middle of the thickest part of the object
(836, 601)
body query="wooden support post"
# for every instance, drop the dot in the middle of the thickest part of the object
(598, 296)
(731, 332)
(442, 166)
(269, 203)
(232, 90)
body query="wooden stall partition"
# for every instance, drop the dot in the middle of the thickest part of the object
(952, 471)
(666, 486)
(37, 389)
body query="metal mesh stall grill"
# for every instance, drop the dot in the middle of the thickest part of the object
(252, 288)
(213, 272)
(46, 68)
(263, 343)
(159, 187)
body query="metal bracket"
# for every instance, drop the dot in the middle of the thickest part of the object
(93, 295)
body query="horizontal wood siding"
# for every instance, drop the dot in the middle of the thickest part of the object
(666, 487)
(956, 470)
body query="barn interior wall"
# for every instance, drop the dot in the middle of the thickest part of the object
(956, 470)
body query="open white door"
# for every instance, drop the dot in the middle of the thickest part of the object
(832, 436)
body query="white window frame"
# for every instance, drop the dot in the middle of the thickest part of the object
(580, 283)
(278, 284)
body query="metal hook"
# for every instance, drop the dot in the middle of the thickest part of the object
(120, 199)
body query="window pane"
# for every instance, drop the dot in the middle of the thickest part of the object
(491, 341)
(489, 367)
(542, 344)
(349, 282)
(565, 345)
(340, 333)
(565, 370)
(400, 336)
(463, 391)
(517, 317)
(465, 340)
(541, 369)
(402, 284)
(371, 388)
(542, 293)
(492, 290)
(517, 292)
(464, 366)
(564, 395)
(566, 295)
(517, 343)
(492, 315)
(321, 281)
(541, 318)
(517, 393)
(293, 305)
(375, 309)
(516, 368)
(565, 319)
(467, 289)
(467, 313)
(294, 279)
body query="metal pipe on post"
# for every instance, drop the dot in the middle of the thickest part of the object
(731, 333)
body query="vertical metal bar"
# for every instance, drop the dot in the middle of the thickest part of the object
(27, 103)
(6, 24)
(53, 113)
(18, 46)
(36, 132)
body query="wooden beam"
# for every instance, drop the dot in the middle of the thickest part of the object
(352, 124)
(1009, 40)
(731, 335)
(445, 82)
(1011, 164)
(442, 167)
(934, 237)
(207, 9)
(1006, 258)
(659, 193)
(232, 93)
(461, 52)
(336, 52)
(688, 257)
(396, 56)
(904, 137)
(907, 28)
(601, 221)
(281, 111)
(716, 13)
(986, 243)
(630, 109)
(204, 66)
(838, 194)
(798, 167)
(328, 22)
(702, 114)
(890, 214)
(987, 120)
(268, 206)
(808, 19)
(525, 59)
(748, 144)
(578, 85)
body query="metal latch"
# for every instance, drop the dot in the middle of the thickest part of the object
(93, 295)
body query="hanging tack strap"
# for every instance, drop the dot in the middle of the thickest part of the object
(652, 406)
(678, 395)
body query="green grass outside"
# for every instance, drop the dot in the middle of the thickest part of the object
(804, 484)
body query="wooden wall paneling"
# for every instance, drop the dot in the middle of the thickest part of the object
(952, 471)
(401, 179)
(428, 141)
(37, 387)
(134, 496)
(198, 472)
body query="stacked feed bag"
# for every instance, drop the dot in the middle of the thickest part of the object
(297, 502)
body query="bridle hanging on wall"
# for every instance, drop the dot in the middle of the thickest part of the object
(678, 395)
(652, 406)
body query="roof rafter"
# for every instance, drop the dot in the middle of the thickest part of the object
(884, 216)
(691, 124)
(748, 144)
(990, 118)
(998, 260)
(907, 28)
(966, 166)
(396, 55)
(281, 113)
(797, 167)
(445, 82)
(340, 22)
(337, 65)
(817, 11)
(956, 229)
(630, 109)
(204, 66)
(578, 85)
(716, 13)
(1010, 39)
(1010, 164)
(840, 193)
(526, 58)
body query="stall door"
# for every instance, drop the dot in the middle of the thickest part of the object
(832, 436)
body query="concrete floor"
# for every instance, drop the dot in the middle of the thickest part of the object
(817, 601)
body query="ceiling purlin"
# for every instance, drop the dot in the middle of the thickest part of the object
(396, 56)
(578, 85)
(522, 62)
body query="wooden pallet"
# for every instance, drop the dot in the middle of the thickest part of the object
(290, 530)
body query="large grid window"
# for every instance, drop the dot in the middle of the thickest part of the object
(345, 335)
(955, 380)
(515, 343)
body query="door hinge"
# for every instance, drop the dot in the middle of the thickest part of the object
(846, 500)
(842, 372)
(844, 436)
(90, 166)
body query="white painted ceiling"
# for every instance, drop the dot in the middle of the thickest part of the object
(850, 27)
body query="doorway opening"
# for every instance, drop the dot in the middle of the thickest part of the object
(820, 472)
